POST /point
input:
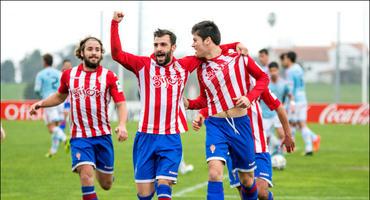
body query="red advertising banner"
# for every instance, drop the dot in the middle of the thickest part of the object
(338, 113)
(317, 113)
(19, 110)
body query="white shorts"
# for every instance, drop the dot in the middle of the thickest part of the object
(299, 114)
(269, 124)
(52, 114)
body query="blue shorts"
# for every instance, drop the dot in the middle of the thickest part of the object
(222, 138)
(95, 151)
(263, 171)
(156, 157)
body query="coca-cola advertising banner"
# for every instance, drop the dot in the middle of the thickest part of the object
(338, 113)
(19, 110)
(317, 113)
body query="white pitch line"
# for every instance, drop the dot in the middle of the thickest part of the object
(192, 188)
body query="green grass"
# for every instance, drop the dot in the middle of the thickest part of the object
(339, 171)
(12, 91)
(316, 92)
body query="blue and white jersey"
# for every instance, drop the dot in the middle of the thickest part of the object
(294, 76)
(47, 81)
(281, 90)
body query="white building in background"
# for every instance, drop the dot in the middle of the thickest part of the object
(319, 62)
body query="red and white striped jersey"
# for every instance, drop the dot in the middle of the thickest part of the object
(161, 87)
(255, 116)
(90, 94)
(226, 77)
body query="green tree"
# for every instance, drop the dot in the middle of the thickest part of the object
(7, 72)
(30, 65)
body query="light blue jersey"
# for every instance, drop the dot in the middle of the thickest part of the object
(294, 76)
(281, 90)
(47, 81)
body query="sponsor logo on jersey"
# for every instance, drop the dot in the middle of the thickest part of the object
(81, 93)
(167, 80)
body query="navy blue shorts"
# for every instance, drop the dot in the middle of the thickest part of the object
(156, 156)
(234, 137)
(95, 151)
(263, 171)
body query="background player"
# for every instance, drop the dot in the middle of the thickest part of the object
(90, 87)
(46, 84)
(294, 75)
(263, 57)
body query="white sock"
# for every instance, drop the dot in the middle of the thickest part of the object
(60, 133)
(307, 138)
(54, 143)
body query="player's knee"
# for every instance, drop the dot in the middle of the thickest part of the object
(246, 178)
(86, 175)
(263, 192)
(106, 185)
(215, 175)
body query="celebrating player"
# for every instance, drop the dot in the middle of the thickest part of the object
(298, 116)
(47, 83)
(90, 87)
(226, 89)
(157, 148)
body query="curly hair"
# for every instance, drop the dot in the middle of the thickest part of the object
(82, 43)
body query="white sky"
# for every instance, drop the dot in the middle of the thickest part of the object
(51, 26)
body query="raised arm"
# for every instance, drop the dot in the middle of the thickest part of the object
(129, 61)
(262, 79)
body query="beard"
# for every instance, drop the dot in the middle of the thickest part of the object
(167, 56)
(91, 65)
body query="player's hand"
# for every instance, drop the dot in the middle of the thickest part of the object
(288, 142)
(35, 107)
(121, 132)
(242, 102)
(118, 16)
(240, 48)
(186, 103)
(198, 122)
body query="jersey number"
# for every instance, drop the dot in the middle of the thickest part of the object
(54, 84)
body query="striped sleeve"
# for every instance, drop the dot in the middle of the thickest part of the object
(115, 88)
(262, 80)
(63, 87)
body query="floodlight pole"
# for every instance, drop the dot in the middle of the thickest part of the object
(365, 65)
(337, 62)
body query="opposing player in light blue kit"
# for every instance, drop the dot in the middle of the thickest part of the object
(294, 75)
(46, 84)
(271, 122)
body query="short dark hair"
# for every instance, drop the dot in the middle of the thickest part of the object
(48, 59)
(292, 56)
(265, 51)
(163, 32)
(273, 65)
(282, 56)
(66, 60)
(206, 29)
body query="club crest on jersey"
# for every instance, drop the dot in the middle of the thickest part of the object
(212, 148)
(211, 71)
(166, 80)
(78, 155)
(82, 93)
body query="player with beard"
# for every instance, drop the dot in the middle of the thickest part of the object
(90, 87)
(157, 148)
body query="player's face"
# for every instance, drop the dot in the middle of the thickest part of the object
(284, 62)
(274, 73)
(199, 46)
(66, 66)
(92, 54)
(163, 50)
(264, 59)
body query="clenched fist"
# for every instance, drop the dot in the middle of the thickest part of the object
(118, 16)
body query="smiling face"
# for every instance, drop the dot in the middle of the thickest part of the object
(163, 50)
(92, 53)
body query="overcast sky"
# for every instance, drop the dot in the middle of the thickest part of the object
(51, 26)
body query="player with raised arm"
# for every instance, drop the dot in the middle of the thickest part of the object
(90, 87)
(157, 148)
(226, 91)
(294, 75)
(46, 83)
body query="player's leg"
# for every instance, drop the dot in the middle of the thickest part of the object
(303, 118)
(306, 132)
(263, 175)
(83, 162)
(144, 165)
(242, 153)
(216, 155)
(280, 133)
(169, 152)
(52, 119)
(185, 168)
(103, 147)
